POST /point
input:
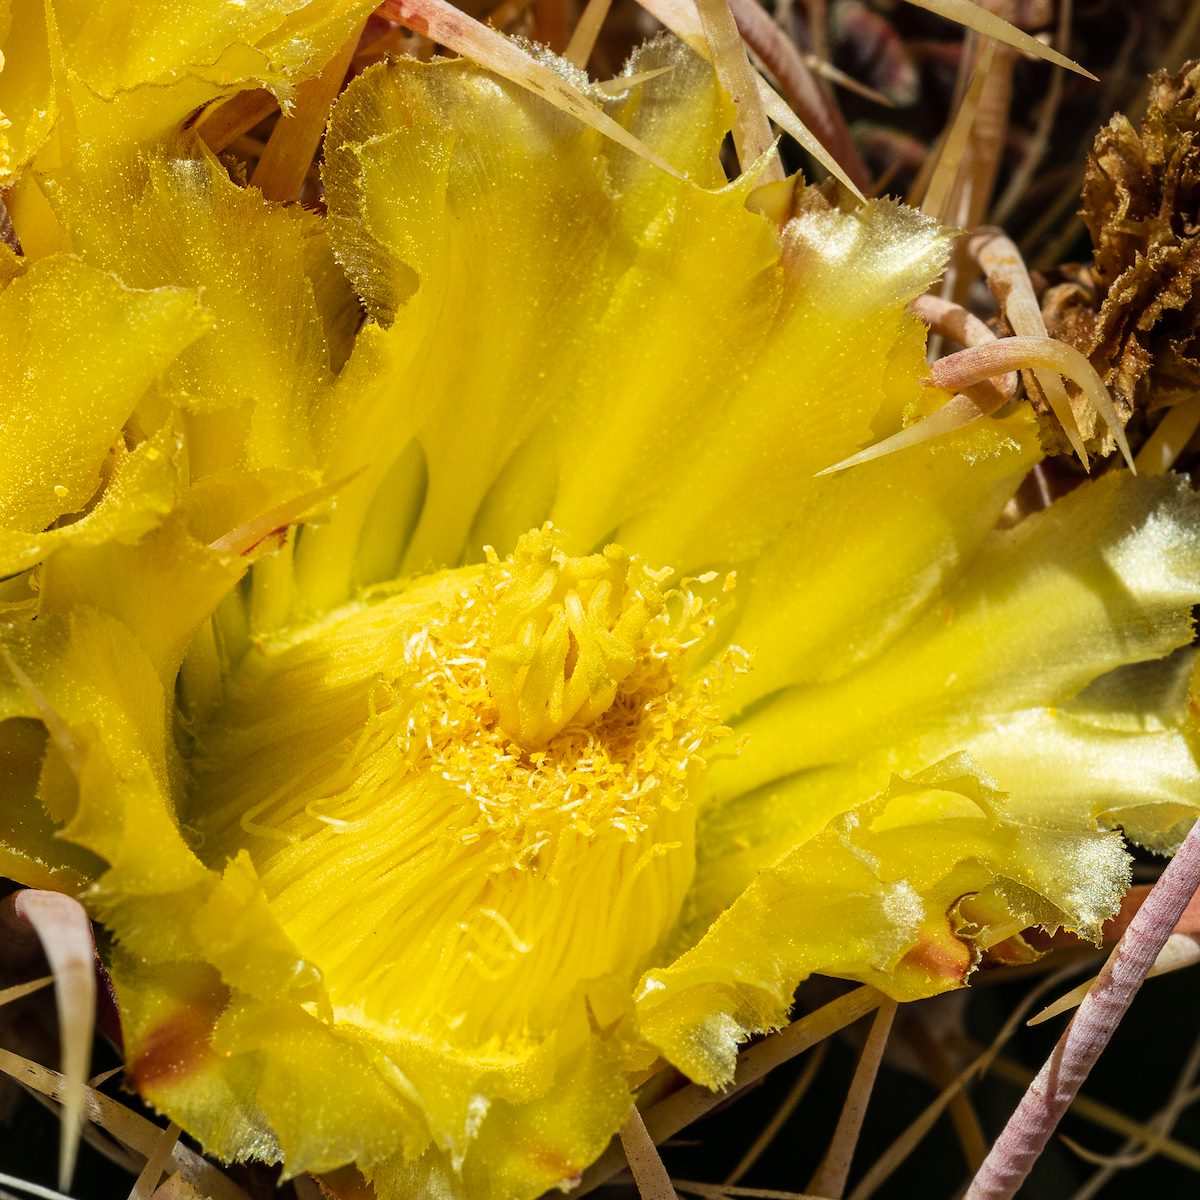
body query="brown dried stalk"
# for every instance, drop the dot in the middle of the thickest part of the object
(955, 1089)
(129, 1128)
(288, 155)
(767, 1134)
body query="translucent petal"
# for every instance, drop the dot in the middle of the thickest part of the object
(1117, 756)
(162, 589)
(137, 488)
(1120, 752)
(269, 355)
(867, 549)
(30, 850)
(105, 777)
(78, 353)
(28, 100)
(556, 329)
(108, 76)
(808, 376)
(667, 310)
(874, 897)
(462, 166)
(528, 1149)
(1105, 577)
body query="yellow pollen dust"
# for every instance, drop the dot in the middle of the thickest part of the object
(467, 794)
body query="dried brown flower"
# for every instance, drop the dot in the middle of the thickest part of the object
(1136, 311)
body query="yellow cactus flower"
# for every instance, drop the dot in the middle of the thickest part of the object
(93, 76)
(447, 714)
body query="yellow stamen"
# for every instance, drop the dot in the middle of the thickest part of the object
(504, 758)
(565, 636)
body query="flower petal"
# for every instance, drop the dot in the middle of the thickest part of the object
(123, 76)
(827, 353)
(874, 896)
(1105, 577)
(78, 353)
(865, 551)
(1120, 752)
(28, 99)
(270, 360)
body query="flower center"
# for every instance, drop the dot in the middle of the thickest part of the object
(469, 796)
(566, 635)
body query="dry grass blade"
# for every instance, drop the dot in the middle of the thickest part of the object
(1170, 438)
(20, 990)
(689, 1103)
(222, 124)
(940, 191)
(1183, 1095)
(751, 132)
(960, 410)
(250, 534)
(882, 1169)
(441, 22)
(954, 323)
(620, 84)
(653, 1182)
(587, 30)
(1009, 281)
(987, 24)
(1021, 1142)
(177, 1188)
(939, 1068)
(31, 1189)
(1131, 1156)
(977, 400)
(130, 1129)
(1103, 1116)
(779, 55)
(779, 1117)
(1023, 176)
(307, 1188)
(831, 1176)
(506, 12)
(951, 320)
(65, 932)
(94, 1137)
(787, 120)
(720, 1191)
(1182, 950)
(682, 19)
(818, 66)
(148, 1178)
(288, 156)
